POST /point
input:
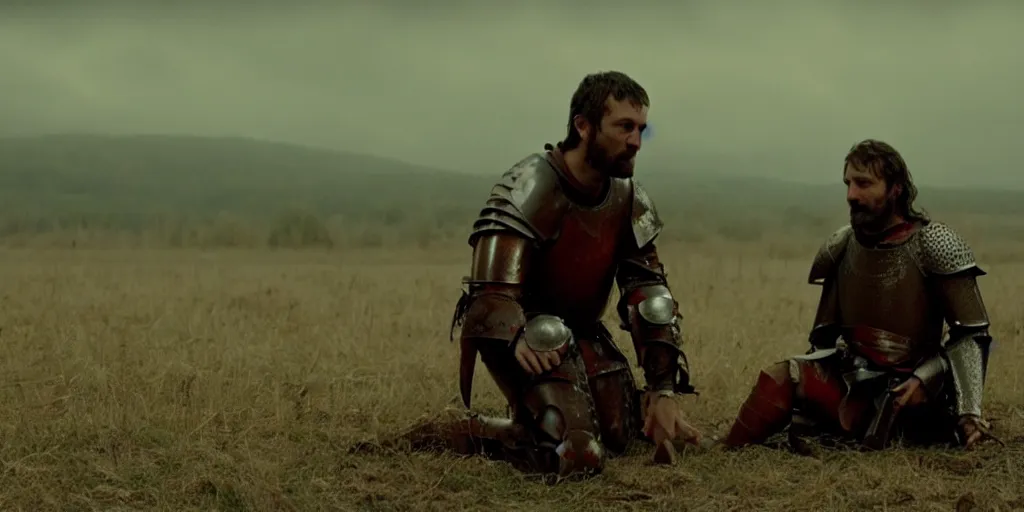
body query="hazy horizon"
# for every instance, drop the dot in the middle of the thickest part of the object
(475, 89)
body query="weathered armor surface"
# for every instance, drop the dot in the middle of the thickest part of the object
(880, 316)
(546, 333)
(574, 269)
(544, 264)
(888, 314)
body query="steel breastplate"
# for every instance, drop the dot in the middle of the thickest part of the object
(576, 272)
(887, 312)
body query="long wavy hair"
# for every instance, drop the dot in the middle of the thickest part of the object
(882, 160)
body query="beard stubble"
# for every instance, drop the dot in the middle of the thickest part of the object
(615, 166)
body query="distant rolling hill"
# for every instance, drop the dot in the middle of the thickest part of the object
(134, 177)
(204, 176)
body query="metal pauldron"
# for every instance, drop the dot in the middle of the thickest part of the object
(943, 251)
(647, 223)
(546, 333)
(967, 363)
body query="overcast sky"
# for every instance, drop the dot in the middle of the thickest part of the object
(477, 88)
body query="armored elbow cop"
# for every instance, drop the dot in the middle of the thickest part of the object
(653, 315)
(652, 318)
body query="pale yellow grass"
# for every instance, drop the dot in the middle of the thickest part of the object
(237, 380)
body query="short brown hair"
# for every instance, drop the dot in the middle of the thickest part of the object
(882, 160)
(591, 96)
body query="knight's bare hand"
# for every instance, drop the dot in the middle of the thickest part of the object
(536, 362)
(665, 421)
(910, 393)
(973, 430)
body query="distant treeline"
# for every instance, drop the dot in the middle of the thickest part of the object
(298, 228)
(190, 191)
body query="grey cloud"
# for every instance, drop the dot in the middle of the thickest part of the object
(785, 87)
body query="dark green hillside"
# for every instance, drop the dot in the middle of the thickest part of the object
(200, 177)
(132, 181)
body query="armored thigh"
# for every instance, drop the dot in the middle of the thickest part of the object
(801, 390)
(563, 417)
(767, 408)
(564, 388)
(824, 398)
(556, 407)
(819, 390)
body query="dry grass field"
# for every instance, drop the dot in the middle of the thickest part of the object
(237, 380)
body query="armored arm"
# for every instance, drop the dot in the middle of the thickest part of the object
(949, 262)
(827, 323)
(489, 310)
(521, 213)
(490, 306)
(647, 309)
(517, 218)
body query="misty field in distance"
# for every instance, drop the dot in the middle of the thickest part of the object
(160, 355)
(195, 192)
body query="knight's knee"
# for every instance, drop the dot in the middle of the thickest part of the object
(774, 386)
(551, 423)
(580, 453)
(779, 373)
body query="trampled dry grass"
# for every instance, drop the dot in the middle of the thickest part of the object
(237, 381)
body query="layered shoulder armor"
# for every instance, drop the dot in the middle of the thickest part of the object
(646, 222)
(829, 254)
(942, 251)
(527, 200)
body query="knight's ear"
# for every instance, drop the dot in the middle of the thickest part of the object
(582, 126)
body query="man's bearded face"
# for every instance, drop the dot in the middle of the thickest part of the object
(612, 146)
(610, 158)
(872, 202)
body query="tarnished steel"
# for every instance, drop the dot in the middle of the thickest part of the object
(546, 333)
